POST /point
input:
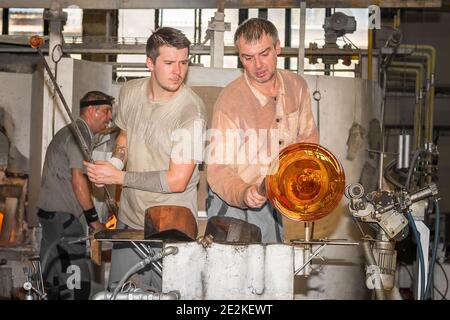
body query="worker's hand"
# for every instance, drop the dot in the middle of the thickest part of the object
(103, 172)
(252, 198)
(97, 226)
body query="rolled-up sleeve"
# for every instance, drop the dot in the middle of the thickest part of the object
(222, 176)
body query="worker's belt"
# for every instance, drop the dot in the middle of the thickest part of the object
(46, 214)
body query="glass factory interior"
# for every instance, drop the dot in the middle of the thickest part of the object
(377, 226)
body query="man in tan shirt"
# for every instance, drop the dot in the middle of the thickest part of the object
(162, 123)
(255, 116)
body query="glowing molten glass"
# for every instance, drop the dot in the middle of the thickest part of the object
(36, 41)
(308, 184)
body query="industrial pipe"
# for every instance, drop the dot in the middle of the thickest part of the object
(373, 271)
(431, 66)
(369, 55)
(430, 55)
(141, 264)
(393, 42)
(417, 138)
(418, 84)
(404, 150)
(382, 111)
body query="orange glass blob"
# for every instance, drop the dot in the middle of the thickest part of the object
(36, 41)
(308, 183)
(111, 222)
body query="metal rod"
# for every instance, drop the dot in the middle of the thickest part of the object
(333, 70)
(301, 43)
(212, 4)
(336, 242)
(406, 150)
(151, 253)
(111, 45)
(383, 102)
(314, 254)
(75, 128)
(370, 55)
(400, 151)
(143, 255)
(287, 34)
(141, 67)
(308, 247)
(157, 267)
(41, 282)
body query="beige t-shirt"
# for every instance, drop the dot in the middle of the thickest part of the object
(158, 131)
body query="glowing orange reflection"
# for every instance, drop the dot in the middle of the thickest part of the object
(111, 222)
(1, 221)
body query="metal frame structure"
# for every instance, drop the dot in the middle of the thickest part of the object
(212, 4)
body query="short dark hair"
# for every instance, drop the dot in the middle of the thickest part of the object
(253, 29)
(165, 36)
(95, 96)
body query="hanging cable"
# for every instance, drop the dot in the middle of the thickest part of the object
(345, 37)
(140, 265)
(435, 248)
(416, 235)
(444, 295)
(413, 164)
(389, 177)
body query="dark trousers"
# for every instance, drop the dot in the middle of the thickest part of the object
(64, 260)
(266, 217)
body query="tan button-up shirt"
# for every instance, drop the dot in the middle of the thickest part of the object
(249, 129)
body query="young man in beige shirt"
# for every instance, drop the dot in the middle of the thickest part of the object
(255, 116)
(162, 123)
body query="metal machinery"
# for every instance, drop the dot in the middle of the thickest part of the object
(337, 25)
(390, 214)
(34, 285)
(409, 196)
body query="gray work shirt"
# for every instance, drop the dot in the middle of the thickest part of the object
(63, 154)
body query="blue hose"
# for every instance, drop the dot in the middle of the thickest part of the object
(435, 249)
(420, 253)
